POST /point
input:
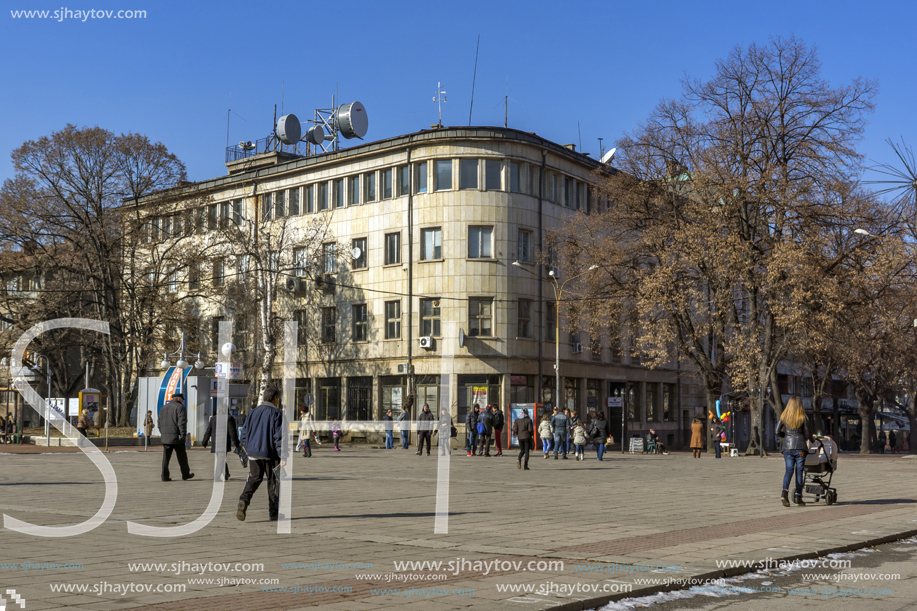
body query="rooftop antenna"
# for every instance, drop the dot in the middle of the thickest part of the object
(506, 105)
(439, 97)
(579, 132)
(473, 78)
(601, 149)
(281, 97)
(228, 112)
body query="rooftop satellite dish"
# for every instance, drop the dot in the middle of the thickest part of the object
(356, 252)
(288, 129)
(315, 135)
(352, 120)
(609, 156)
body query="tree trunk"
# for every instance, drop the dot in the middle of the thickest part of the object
(864, 409)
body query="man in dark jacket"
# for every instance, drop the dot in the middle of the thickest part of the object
(485, 432)
(173, 429)
(425, 429)
(524, 431)
(499, 423)
(232, 437)
(263, 441)
(389, 424)
(599, 433)
(471, 426)
(561, 426)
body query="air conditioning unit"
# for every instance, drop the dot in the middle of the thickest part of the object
(292, 285)
(325, 282)
(577, 348)
(426, 342)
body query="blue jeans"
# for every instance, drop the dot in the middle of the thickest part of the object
(795, 460)
(599, 449)
(472, 443)
(405, 436)
(546, 444)
(389, 440)
(717, 447)
(560, 443)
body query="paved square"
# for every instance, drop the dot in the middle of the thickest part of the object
(358, 512)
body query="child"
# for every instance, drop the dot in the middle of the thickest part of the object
(579, 440)
(546, 432)
(337, 433)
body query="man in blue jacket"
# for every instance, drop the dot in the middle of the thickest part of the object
(561, 426)
(263, 441)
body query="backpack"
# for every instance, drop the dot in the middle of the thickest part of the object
(481, 428)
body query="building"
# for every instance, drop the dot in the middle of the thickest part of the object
(431, 223)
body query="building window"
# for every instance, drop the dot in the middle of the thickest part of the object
(404, 180)
(556, 188)
(353, 195)
(429, 318)
(387, 183)
(211, 220)
(480, 316)
(420, 178)
(443, 170)
(493, 175)
(294, 202)
(171, 281)
(338, 192)
(299, 261)
(329, 258)
(570, 198)
(302, 327)
(431, 244)
(240, 332)
(392, 248)
(524, 246)
(468, 174)
(358, 248)
(165, 226)
(177, 226)
(267, 206)
(550, 322)
(359, 322)
(322, 196)
(392, 320)
(242, 265)
(534, 172)
(219, 272)
(328, 324)
(309, 196)
(215, 332)
(579, 196)
(524, 317)
(480, 242)
(280, 205)
(369, 187)
(515, 177)
(194, 277)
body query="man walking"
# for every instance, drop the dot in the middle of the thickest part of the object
(232, 438)
(561, 427)
(524, 430)
(499, 423)
(173, 429)
(263, 441)
(389, 423)
(599, 433)
(471, 426)
(404, 425)
(485, 432)
(424, 429)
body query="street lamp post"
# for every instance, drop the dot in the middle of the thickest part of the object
(48, 375)
(558, 293)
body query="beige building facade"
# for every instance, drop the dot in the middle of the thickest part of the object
(431, 224)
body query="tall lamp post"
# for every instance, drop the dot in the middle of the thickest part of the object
(558, 293)
(47, 375)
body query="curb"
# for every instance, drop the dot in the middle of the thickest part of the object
(594, 603)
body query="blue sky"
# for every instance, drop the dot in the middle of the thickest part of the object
(604, 64)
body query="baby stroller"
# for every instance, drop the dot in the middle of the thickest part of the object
(820, 465)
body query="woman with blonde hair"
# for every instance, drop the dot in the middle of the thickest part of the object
(794, 428)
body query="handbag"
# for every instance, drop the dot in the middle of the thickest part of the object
(453, 432)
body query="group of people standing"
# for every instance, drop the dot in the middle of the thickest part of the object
(484, 426)
(564, 428)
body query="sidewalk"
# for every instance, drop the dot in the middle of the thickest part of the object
(358, 512)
